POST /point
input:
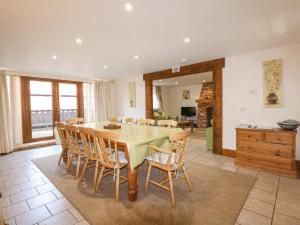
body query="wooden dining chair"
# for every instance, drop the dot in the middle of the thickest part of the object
(114, 119)
(90, 152)
(146, 122)
(74, 121)
(60, 127)
(129, 120)
(111, 159)
(169, 161)
(167, 123)
(75, 149)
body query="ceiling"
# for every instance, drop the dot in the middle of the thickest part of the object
(193, 79)
(32, 31)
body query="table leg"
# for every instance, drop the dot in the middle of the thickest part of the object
(132, 183)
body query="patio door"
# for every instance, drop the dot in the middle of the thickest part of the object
(45, 101)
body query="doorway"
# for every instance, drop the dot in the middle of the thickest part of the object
(45, 101)
(215, 66)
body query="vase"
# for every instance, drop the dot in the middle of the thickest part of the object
(272, 98)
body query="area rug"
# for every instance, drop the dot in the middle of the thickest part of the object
(216, 199)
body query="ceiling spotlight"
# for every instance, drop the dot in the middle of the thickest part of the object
(160, 80)
(128, 6)
(176, 82)
(105, 67)
(78, 41)
(203, 81)
(187, 40)
(54, 57)
(136, 56)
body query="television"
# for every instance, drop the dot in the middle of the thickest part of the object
(188, 111)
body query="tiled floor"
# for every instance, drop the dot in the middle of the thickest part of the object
(30, 198)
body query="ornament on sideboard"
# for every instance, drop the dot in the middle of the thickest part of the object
(289, 124)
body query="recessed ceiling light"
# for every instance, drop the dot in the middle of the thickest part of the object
(54, 57)
(136, 56)
(105, 67)
(183, 60)
(176, 82)
(128, 6)
(78, 41)
(160, 80)
(187, 40)
(203, 81)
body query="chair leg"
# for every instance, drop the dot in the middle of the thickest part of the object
(117, 184)
(95, 174)
(187, 178)
(69, 163)
(78, 166)
(148, 177)
(61, 155)
(172, 189)
(99, 179)
(84, 169)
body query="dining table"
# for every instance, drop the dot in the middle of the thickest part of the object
(134, 141)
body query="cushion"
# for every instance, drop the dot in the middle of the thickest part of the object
(164, 158)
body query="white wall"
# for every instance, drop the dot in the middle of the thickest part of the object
(243, 91)
(176, 101)
(121, 97)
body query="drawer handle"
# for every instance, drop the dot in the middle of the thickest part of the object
(278, 153)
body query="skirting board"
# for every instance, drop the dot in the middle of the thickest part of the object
(232, 153)
(228, 152)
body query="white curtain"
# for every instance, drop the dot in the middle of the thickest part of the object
(6, 133)
(89, 103)
(102, 100)
(16, 109)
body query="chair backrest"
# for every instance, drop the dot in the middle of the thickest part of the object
(87, 138)
(179, 142)
(146, 122)
(129, 120)
(114, 119)
(106, 145)
(73, 121)
(72, 138)
(60, 127)
(167, 123)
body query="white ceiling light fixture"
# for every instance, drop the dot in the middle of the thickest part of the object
(78, 40)
(187, 40)
(128, 7)
(54, 57)
(203, 81)
(136, 56)
(176, 82)
(160, 80)
(105, 67)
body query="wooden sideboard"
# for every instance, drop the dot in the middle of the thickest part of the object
(267, 150)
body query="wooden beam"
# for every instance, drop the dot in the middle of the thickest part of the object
(149, 98)
(187, 70)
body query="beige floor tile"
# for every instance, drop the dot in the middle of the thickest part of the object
(289, 197)
(83, 222)
(228, 168)
(268, 178)
(57, 193)
(14, 210)
(286, 208)
(230, 162)
(6, 177)
(63, 218)
(264, 196)
(76, 214)
(23, 195)
(10, 190)
(250, 218)
(58, 205)
(15, 181)
(259, 207)
(216, 162)
(266, 186)
(4, 201)
(45, 188)
(10, 221)
(33, 216)
(35, 176)
(32, 184)
(281, 219)
(246, 171)
(41, 200)
(295, 189)
(288, 180)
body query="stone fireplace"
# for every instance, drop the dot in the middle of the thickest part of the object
(205, 105)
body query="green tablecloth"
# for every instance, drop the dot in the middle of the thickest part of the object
(138, 137)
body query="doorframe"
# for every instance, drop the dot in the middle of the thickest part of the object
(216, 66)
(26, 104)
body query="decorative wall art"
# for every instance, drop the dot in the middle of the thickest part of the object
(272, 83)
(186, 94)
(132, 95)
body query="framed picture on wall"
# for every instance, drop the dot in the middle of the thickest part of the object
(272, 70)
(186, 94)
(132, 95)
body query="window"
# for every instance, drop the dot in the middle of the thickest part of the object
(155, 99)
(67, 101)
